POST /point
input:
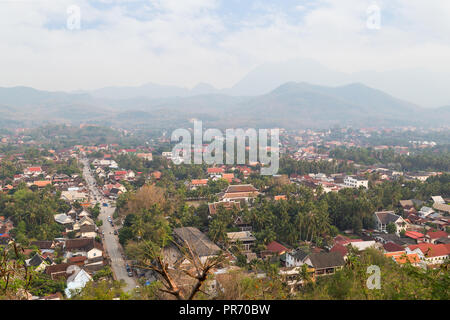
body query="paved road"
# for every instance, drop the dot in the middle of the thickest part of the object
(110, 241)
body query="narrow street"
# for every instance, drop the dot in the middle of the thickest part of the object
(110, 241)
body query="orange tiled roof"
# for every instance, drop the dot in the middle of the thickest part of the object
(156, 174)
(412, 258)
(402, 258)
(197, 182)
(42, 183)
(414, 234)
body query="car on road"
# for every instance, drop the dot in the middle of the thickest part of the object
(115, 232)
(130, 273)
(105, 204)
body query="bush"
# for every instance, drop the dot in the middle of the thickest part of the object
(103, 273)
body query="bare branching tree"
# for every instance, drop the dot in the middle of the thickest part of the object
(153, 259)
(15, 276)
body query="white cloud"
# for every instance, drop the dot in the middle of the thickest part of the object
(185, 42)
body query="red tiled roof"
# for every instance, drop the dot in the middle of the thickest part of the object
(215, 170)
(341, 238)
(432, 250)
(437, 234)
(245, 170)
(392, 247)
(228, 176)
(276, 247)
(77, 259)
(339, 248)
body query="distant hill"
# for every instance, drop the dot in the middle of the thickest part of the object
(423, 87)
(291, 105)
(304, 104)
(269, 76)
(152, 91)
(437, 115)
(445, 109)
(29, 97)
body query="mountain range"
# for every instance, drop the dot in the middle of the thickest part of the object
(423, 87)
(291, 105)
(294, 93)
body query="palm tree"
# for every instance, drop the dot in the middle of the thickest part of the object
(312, 225)
(323, 222)
(139, 226)
(300, 223)
(305, 275)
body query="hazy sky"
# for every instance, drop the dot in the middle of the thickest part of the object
(184, 42)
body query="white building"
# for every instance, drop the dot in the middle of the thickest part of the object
(363, 245)
(63, 218)
(438, 199)
(383, 218)
(356, 182)
(77, 280)
(74, 196)
(296, 258)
